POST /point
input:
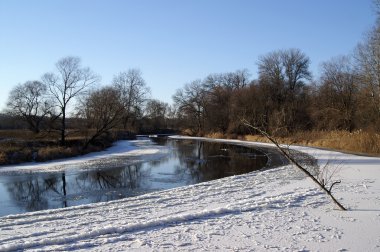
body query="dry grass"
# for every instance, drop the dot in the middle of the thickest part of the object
(18, 134)
(17, 146)
(55, 152)
(356, 142)
(224, 136)
(360, 142)
(215, 135)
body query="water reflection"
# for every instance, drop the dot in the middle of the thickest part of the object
(32, 192)
(188, 162)
(202, 161)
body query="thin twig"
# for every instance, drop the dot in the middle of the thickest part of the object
(334, 183)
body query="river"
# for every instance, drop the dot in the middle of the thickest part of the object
(186, 162)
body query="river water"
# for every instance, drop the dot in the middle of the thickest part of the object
(187, 162)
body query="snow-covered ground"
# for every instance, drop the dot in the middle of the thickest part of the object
(277, 209)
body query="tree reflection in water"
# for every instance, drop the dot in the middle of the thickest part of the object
(55, 190)
(205, 162)
(33, 192)
(129, 177)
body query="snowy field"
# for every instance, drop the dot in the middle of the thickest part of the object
(276, 210)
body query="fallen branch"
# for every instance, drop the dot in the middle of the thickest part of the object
(293, 161)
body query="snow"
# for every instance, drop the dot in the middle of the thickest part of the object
(277, 210)
(130, 149)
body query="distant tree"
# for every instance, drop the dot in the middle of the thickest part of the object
(29, 101)
(133, 92)
(191, 102)
(171, 117)
(70, 81)
(156, 111)
(231, 80)
(286, 69)
(249, 103)
(217, 109)
(368, 56)
(338, 95)
(240, 79)
(283, 75)
(155, 108)
(219, 89)
(296, 68)
(376, 4)
(102, 110)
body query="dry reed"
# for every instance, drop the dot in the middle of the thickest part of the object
(359, 141)
(356, 142)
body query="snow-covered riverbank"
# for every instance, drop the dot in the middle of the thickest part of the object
(136, 151)
(276, 209)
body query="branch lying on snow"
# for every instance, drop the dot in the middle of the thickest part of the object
(321, 184)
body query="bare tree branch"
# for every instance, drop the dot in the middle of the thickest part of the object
(293, 161)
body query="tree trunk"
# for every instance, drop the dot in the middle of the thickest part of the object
(63, 127)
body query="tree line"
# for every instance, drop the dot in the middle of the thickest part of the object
(284, 98)
(72, 99)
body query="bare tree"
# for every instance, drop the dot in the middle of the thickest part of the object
(337, 96)
(250, 103)
(171, 117)
(271, 69)
(70, 81)
(368, 56)
(218, 108)
(283, 75)
(376, 4)
(156, 111)
(191, 101)
(286, 69)
(29, 101)
(133, 93)
(102, 110)
(296, 68)
(231, 81)
(219, 89)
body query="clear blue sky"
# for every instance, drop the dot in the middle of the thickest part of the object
(171, 42)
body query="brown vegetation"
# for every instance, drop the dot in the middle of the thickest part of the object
(17, 146)
(359, 142)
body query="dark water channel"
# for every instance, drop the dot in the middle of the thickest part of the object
(188, 162)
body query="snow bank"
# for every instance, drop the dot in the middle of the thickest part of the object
(122, 148)
(276, 209)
